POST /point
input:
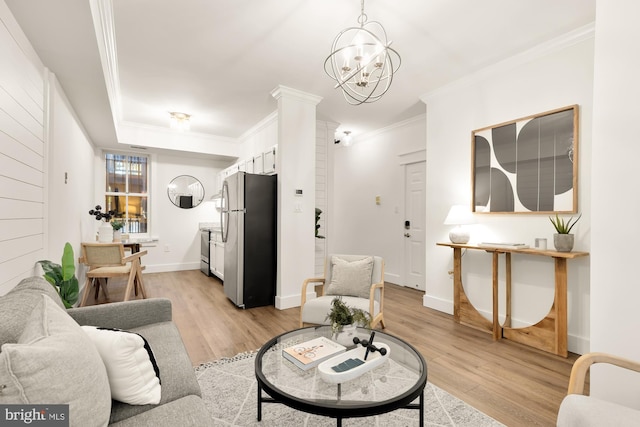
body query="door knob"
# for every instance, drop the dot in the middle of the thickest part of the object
(407, 235)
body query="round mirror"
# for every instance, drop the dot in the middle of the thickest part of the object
(185, 191)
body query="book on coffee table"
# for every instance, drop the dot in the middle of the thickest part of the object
(308, 354)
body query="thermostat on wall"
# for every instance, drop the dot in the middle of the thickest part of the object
(299, 192)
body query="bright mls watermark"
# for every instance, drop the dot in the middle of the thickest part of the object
(34, 415)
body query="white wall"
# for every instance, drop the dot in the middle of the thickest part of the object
(176, 228)
(369, 168)
(296, 171)
(70, 178)
(615, 319)
(555, 75)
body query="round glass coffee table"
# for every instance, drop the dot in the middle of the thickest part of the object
(394, 384)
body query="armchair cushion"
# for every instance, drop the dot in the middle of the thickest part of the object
(577, 410)
(351, 277)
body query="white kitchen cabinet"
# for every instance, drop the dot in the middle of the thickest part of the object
(269, 159)
(216, 257)
(249, 166)
(258, 164)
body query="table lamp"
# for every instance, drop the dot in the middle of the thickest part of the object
(459, 215)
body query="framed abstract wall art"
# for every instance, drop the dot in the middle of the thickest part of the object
(528, 165)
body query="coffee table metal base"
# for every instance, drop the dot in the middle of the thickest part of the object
(419, 406)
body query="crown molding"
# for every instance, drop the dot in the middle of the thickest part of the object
(273, 117)
(103, 22)
(564, 41)
(284, 91)
(420, 117)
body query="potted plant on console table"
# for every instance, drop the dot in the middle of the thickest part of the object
(563, 240)
(117, 226)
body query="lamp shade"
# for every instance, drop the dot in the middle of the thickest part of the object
(459, 215)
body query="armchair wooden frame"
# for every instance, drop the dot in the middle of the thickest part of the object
(319, 287)
(581, 367)
(100, 269)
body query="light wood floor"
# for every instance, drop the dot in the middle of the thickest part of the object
(515, 384)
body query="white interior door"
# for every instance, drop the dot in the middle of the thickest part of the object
(414, 230)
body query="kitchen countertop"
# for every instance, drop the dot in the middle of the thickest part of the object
(211, 226)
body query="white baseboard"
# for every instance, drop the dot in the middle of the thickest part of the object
(290, 301)
(391, 277)
(166, 268)
(578, 345)
(439, 304)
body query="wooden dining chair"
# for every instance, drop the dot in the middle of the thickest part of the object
(108, 260)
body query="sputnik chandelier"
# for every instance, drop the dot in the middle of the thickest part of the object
(362, 61)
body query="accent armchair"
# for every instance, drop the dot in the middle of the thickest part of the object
(580, 410)
(358, 279)
(107, 260)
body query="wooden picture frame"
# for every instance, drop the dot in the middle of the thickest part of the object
(528, 165)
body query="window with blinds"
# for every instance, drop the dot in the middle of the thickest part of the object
(127, 190)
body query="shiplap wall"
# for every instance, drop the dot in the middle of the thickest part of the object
(22, 154)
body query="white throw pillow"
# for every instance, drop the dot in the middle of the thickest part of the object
(133, 374)
(352, 278)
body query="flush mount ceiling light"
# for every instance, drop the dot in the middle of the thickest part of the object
(345, 140)
(361, 61)
(179, 121)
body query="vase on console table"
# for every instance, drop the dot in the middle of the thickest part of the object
(563, 242)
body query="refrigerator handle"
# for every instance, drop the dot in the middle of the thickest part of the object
(224, 211)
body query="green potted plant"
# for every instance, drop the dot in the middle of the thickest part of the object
(563, 239)
(344, 320)
(62, 276)
(117, 226)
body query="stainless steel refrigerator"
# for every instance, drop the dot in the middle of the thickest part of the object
(248, 218)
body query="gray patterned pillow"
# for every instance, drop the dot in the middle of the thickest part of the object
(55, 362)
(351, 278)
(17, 305)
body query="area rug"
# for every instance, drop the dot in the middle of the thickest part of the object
(229, 390)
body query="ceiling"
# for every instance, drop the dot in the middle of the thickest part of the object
(220, 59)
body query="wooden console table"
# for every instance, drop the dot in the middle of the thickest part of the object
(549, 334)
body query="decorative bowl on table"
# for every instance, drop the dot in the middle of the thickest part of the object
(374, 359)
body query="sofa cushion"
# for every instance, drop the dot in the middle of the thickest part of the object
(54, 362)
(189, 411)
(18, 304)
(133, 374)
(178, 378)
(351, 278)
